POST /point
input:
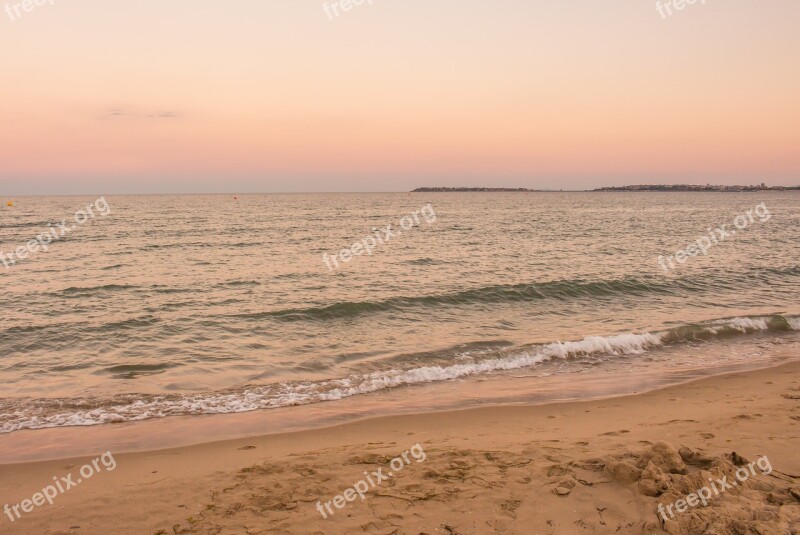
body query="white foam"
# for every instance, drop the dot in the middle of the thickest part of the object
(301, 393)
(283, 395)
(744, 325)
(749, 324)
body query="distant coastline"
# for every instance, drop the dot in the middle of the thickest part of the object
(691, 187)
(636, 187)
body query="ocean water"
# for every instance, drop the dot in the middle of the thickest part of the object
(200, 304)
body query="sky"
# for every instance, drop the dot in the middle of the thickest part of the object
(182, 96)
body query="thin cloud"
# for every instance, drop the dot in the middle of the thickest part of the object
(120, 112)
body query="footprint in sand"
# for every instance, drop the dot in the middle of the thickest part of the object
(557, 471)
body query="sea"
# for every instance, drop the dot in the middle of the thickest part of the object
(179, 306)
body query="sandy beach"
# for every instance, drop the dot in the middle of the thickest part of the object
(400, 268)
(584, 467)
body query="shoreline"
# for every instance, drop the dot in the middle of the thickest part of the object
(753, 412)
(156, 434)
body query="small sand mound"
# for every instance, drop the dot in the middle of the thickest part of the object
(756, 502)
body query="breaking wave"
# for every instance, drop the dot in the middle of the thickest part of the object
(18, 414)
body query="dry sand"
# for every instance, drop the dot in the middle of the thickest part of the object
(583, 467)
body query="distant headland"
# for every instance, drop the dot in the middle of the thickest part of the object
(691, 187)
(636, 187)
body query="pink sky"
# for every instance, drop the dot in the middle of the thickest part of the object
(207, 96)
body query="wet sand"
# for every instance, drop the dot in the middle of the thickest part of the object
(584, 467)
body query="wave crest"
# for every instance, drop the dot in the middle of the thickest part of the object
(16, 414)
